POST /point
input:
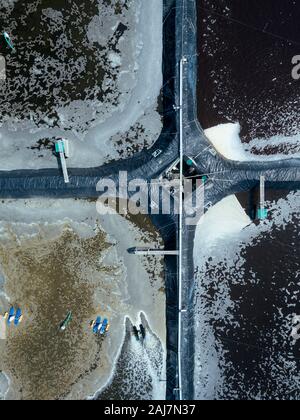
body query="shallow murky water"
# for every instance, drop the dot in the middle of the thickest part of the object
(48, 278)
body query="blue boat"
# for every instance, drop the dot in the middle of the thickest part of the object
(97, 325)
(104, 327)
(18, 317)
(11, 316)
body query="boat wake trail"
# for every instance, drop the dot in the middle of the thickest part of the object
(139, 373)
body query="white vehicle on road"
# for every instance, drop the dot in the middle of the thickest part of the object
(157, 153)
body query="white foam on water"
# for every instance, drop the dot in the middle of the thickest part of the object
(226, 140)
(148, 359)
(225, 219)
(114, 364)
(143, 365)
(221, 249)
(275, 141)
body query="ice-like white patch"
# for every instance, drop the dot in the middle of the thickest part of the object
(115, 59)
(225, 219)
(226, 140)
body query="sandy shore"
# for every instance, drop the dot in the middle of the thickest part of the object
(58, 256)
